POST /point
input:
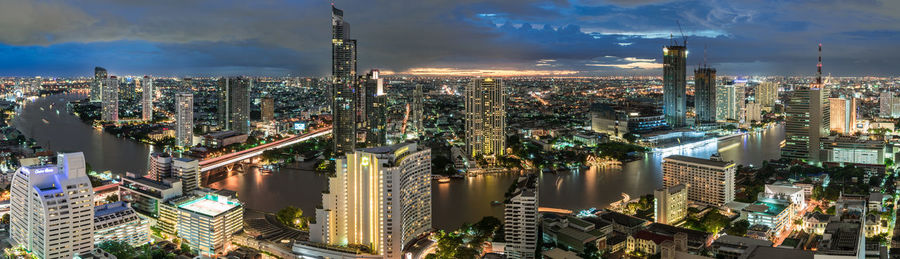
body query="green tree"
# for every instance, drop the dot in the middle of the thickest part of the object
(185, 248)
(5, 219)
(292, 217)
(120, 249)
(112, 198)
(590, 251)
(739, 228)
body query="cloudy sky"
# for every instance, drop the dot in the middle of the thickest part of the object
(584, 37)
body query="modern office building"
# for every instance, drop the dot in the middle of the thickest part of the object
(233, 105)
(806, 122)
(522, 219)
(343, 84)
(766, 94)
(670, 204)
(380, 198)
(843, 115)
(97, 85)
(52, 208)
(709, 181)
(147, 99)
(109, 99)
(372, 114)
(117, 221)
(188, 171)
(267, 109)
(146, 195)
(674, 84)
(730, 101)
(184, 119)
(705, 94)
(160, 166)
(485, 117)
(208, 223)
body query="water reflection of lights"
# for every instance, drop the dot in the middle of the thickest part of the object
(681, 148)
(733, 145)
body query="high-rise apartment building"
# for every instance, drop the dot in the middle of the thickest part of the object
(188, 171)
(234, 104)
(52, 208)
(184, 119)
(806, 118)
(343, 84)
(372, 114)
(889, 105)
(147, 99)
(709, 181)
(485, 117)
(417, 113)
(730, 101)
(674, 85)
(96, 86)
(380, 198)
(705, 94)
(522, 219)
(117, 221)
(110, 99)
(670, 204)
(766, 94)
(843, 115)
(753, 112)
(267, 109)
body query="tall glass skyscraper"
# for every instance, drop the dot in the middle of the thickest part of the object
(343, 84)
(184, 119)
(96, 89)
(372, 109)
(485, 117)
(147, 98)
(674, 83)
(705, 94)
(234, 104)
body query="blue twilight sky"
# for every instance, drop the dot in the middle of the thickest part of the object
(587, 37)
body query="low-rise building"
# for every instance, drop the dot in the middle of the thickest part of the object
(670, 204)
(773, 213)
(732, 247)
(645, 242)
(223, 138)
(815, 222)
(118, 222)
(208, 222)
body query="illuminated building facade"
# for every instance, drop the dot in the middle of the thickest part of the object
(147, 99)
(730, 101)
(670, 204)
(806, 122)
(109, 101)
(705, 94)
(184, 119)
(709, 181)
(117, 221)
(267, 109)
(234, 104)
(521, 219)
(380, 198)
(208, 223)
(52, 208)
(343, 84)
(766, 94)
(843, 115)
(485, 117)
(674, 85)
(372, 117)
(96, 86)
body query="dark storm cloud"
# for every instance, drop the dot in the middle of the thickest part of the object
(291, 37)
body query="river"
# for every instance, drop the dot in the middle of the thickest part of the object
(460, 201)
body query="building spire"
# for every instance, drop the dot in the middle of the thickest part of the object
(819, 68)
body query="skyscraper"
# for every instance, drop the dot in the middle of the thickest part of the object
(96, 86)
(234, 104)
(267, 109)
(110, 99)
(730, 101)
(807, 120)
(184, 119)
(373, 101)
(674, 84)
(843, 114)
(485, 117)
(343, 84)
(147, 99)
(522, 219)
(380, 197)
(52, 208)
(766, 94)
(417, 113)
(705, 94)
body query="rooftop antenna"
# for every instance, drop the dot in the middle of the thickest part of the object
(682, 32)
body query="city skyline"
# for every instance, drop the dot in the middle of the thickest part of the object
(582, 38)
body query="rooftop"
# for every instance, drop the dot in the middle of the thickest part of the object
(697, 160)
(210, 205)
(769, 207)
